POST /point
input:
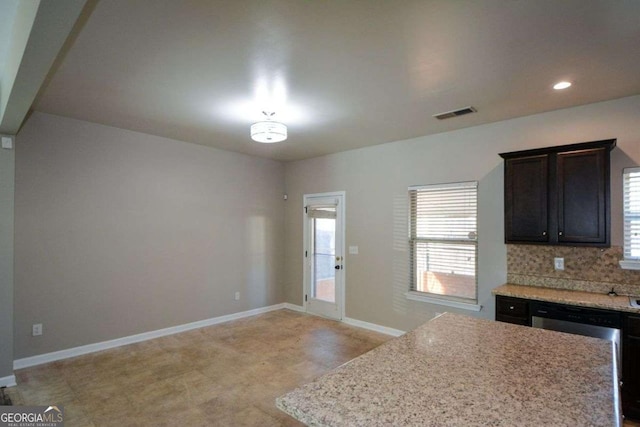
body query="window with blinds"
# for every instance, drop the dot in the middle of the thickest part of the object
(443, 239)
(631, 188)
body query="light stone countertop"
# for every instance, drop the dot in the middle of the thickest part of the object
(563, 296)
(460, 371)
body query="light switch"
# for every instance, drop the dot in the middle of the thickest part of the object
(7, 142)
(353, 250)
(558, 263)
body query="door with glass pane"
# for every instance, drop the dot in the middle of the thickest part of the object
(324, 262)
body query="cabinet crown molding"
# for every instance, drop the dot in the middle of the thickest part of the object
(609, 144)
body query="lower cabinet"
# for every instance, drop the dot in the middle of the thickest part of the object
(512, 310)
(631, 366)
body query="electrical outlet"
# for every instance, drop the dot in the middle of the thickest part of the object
(237, 296)
(36, 329)
(558, 263)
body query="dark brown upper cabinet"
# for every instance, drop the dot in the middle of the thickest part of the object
(558, 195)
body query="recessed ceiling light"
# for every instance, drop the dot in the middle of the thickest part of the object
(561, 85)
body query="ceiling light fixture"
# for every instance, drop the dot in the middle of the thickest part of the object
(561, 85)
(268, 131)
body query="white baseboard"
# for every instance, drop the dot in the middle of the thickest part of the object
(105, 345)
(294, 307)
(354, 322)
(118, 342)
(9, 381)
(373, 327)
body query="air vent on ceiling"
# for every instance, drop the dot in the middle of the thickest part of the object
(455, 113)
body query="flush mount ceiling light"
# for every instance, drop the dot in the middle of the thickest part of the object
(268, 131)
(561, 85)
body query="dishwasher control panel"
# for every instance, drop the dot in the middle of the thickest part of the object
(589, 316)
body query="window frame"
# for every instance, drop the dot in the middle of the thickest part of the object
(447, 300)
(628, 262)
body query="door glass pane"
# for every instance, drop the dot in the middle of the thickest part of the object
(324, 259)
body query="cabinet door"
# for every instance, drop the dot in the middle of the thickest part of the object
(526, 203)
(582, 196)
(512, 310)
(631, 367)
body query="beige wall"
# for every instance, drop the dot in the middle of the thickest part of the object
(376, 179)
(7, 159)
(119, 233)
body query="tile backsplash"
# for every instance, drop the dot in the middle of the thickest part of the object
(586, 268)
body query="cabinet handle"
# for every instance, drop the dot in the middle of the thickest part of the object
(544, 233)
(559, 233)
(510, 307)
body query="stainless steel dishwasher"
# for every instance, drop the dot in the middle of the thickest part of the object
(589, 322)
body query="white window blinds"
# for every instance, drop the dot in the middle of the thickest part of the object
(322, 211)
(443, 239)
(631, 186)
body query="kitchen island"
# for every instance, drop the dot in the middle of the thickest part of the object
(461, 371)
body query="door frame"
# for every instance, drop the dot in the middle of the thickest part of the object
(340, 211)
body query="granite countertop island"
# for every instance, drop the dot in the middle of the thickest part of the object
(461, 371)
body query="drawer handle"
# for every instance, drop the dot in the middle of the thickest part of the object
(511, 307)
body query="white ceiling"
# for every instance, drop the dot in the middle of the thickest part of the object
(341, 74)
(32, 34)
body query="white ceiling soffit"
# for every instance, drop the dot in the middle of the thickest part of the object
(340, 74)
(34, 33)
(8, 10)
